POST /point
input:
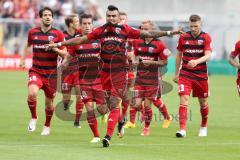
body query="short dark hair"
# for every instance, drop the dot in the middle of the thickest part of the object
(44, 9)
(194, 18)
(86, 16)
(112, 8)
(69, 19)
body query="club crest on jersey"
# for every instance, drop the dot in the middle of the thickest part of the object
(36, 37)
(118, 30)
(95, 45)
(50, 38)
(187, 43)
(150, 49)
(200, 42)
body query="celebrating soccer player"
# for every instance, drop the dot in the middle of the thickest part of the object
(43, 73)
(191, 74)
(89, 63)
(113, 38)
(152, 54)
(71, 74)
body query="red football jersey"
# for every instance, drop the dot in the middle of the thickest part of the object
(113, 39)
(73, 65)
(193, 48)
(89, 63)
(149, 75)
(235, 53)
(44, 62)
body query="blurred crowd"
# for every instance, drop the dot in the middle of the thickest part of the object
(28, 9)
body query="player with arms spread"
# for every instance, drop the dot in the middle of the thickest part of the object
(113, 38)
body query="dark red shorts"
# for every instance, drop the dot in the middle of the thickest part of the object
(115, 83)
(150, 92)
(93, 93)
(70, 81)
(47, 85)
(198, 88)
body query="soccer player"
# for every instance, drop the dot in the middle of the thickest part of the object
(153, 55)
(71, 74)
(130, 79)
(43, 73)
(89, 63)
(235, 53)
(113, 38)
(194, 49)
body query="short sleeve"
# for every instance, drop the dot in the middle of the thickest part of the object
(236, 50)
(29, 38)
(180, 44)
(164, 52)
(133, 33)
(94, 35)
(208, 43)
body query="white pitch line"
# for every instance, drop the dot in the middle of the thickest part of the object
(120, 144)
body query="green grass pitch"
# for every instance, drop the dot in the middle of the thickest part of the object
(68, 143)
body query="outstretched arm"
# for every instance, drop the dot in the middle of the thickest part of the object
(159, 63)
(156, 34)
(70, 42)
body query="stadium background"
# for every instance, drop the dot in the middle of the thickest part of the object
(220, 19)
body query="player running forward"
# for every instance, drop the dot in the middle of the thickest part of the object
(113, 38)
(235, 53)
(130, 79)
(152, 54)
(88, 56)
(70, 78)
(43, 73)
(194, 49)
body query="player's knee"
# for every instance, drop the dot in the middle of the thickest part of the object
(184, 99)
(49, 103)
(102, 109)
(32, 96)
(114, 102)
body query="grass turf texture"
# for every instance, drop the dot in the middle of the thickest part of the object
(66, 142)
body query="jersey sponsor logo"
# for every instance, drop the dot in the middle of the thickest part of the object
(39, 46)
(139, 49)
(112, 39)
(194, 50)
(35, 37)
(89, 55)
(187, 42)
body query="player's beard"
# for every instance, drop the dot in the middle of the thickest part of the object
(46, 25)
